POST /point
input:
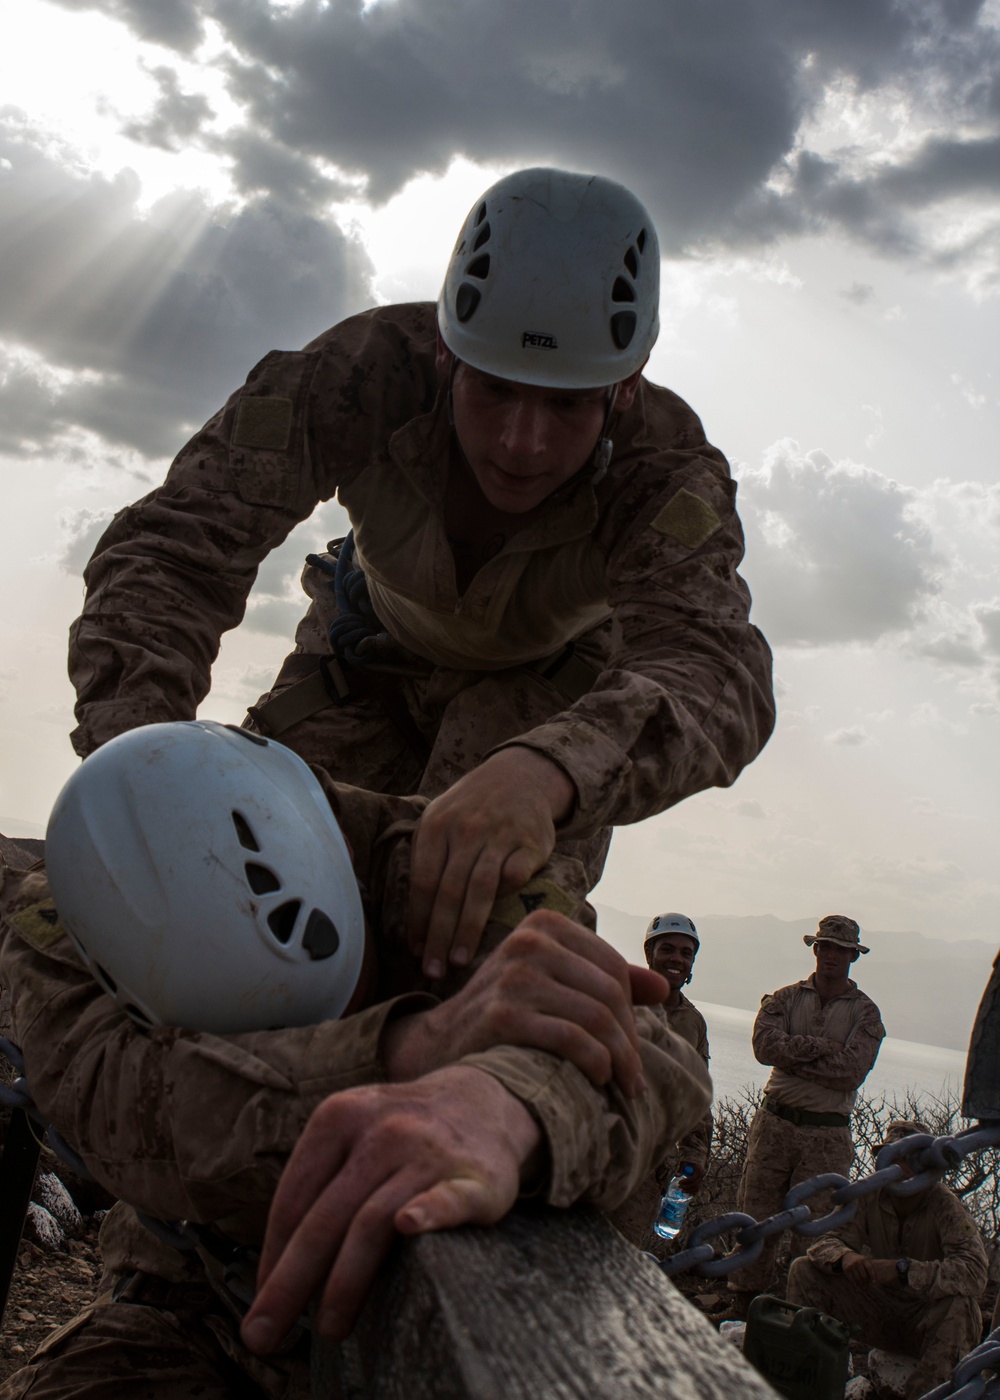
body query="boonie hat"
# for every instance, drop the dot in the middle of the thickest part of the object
(905, 1127)
(837, 928)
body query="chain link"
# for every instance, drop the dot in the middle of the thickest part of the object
(967, 1380)
(928, 1156)
(924, 1155)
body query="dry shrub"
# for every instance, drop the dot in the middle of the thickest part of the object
(975, 1180)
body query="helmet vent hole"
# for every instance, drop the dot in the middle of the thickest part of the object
(244, 835)
(107, 982)
(261, 880)
(466, 301)
(622, 290)
(632, 262)
(623, 325)
(281, 921)
(479, 267)
(482, 237)
(321, 939)
(480, 213)
(640, 242)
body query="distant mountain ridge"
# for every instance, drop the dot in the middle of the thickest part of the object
(927, 989)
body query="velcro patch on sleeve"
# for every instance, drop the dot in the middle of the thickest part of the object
(263, 423)
(687, 519)
(510, 909)
(38, 924)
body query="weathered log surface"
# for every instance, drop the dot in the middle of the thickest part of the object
(547, 1305)
(20, 851)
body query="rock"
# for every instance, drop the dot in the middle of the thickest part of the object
(733, 1332)
(889, 1373)
(859, 1389)
(43, 1229)
(51, 1195)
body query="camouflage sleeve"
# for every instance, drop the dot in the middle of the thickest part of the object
(686, 700)
(844, 1066)
(828, 1250)
(772, 1044)
(963, 1270)
(172, 572)
(602, 1145)
(137, 1105)
(695, 1146)
(814, 1057)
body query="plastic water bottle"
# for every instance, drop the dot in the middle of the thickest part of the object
(673, 1206)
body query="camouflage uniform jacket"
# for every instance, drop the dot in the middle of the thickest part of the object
(687, 1021)
(820, 1053)
(940, 1239)
(194, 1126)
(685, 699)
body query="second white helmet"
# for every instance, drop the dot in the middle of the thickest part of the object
(671, 923)
(203, 877)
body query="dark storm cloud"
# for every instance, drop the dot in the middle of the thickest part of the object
(699, 107)
(176, 118)
(694, 106)
(177, 24)
(158, 317)
(689, 104)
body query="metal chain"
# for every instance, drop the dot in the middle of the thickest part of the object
(931, 1157)
(967, 1380)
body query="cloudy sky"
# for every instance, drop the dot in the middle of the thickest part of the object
(185, 184)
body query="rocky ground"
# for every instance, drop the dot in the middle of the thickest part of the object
(47, 1290)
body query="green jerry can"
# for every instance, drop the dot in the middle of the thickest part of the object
(802, 1352)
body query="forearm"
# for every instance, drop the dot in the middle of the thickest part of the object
(639, 742)
(695, 1146)
(834, 1065)
(172, 572)
(686, 700)
(178, 1123)
(829, 1251)
(600, 1145)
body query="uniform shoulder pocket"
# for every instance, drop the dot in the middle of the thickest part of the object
(268, 434)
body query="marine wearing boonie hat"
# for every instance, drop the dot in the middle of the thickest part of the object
(837, 928)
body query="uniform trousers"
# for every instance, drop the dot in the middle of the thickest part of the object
(780, 1155)
(938, 1331)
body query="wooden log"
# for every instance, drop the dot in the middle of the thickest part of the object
(547, 1305)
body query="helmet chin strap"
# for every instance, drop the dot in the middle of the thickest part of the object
(601, 459)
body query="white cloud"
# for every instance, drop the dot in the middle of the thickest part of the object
(80, 529)
(834, 553)
(852, 736)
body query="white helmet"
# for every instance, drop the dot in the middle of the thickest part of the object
(202, 875)
(554, 280)
(671, 923)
